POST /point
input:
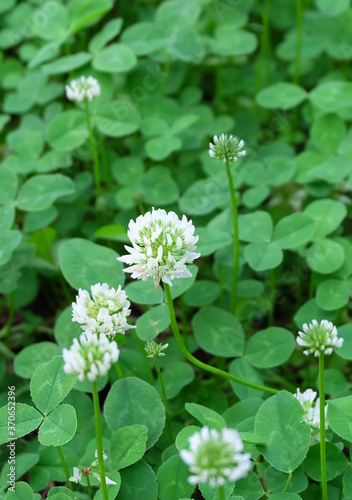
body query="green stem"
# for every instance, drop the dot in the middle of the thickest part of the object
(144, 354)
(324, 484)
(221, 493)
(235, 239)
(160, 377)
(299, 18)
(105, 164)
(311, 286)
(6, 351)
(272, 297)
(118, 370)
(264, 47)
(200, 364)
(287, 482)
(166, 71)
(94, 151)
(64, 465)
(99, 437)
(91, 494)
(11, 312)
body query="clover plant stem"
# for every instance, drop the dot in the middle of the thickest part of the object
(64, 465)
(91, 494)
(299, 21)
(200, 364)
(262, 66)
(118, 370)
(221, 493)
(160, 377)
(94, 152)
(287, 482)
(105, 164)
(272, 297)
(324, 485)
(235, 240)
(99, 436)
(144, 354)
(11, 312)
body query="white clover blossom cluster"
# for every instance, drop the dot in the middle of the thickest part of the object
(105, 312)
(226, 148)
(163, 245)
(83, 89)
(91, 356)
(311, 412)
(216, 457)
(319, 338)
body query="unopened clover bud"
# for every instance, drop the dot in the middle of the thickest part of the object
(154, 350)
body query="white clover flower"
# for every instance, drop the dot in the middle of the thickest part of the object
(76, 477)
(90, 356)
(107, 480)
(311, 412)
(96, 455)
(215, 457)
(226, 148)
(83, 89)
(162, 246)
(154, 350)
(319, 338)
(106, 312)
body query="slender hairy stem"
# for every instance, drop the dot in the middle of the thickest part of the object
(64, 465)
(94, 151)
(200, 364)
(99, 437)
(144, 354)
(118, 370)
(235, 239)
(91, 494)
(168, 418)
(299, 17)
(221, 493)
(287, 482)
(324, 485)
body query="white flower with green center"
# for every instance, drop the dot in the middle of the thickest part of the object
(311, 412)
(163, 245)
(216, 457)
(90, 356)
(105, 312)
(319, 338)
(83, 89)
(226, 148)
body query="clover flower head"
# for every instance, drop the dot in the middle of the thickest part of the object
(162, 246)
(216, 457)
(105, 312)
(90, 356)
(311, 412)
(76, 477)
(319, 338)
(226, 148)
(154, 350)
(83, 89)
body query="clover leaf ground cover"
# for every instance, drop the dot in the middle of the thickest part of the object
(107, 112)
